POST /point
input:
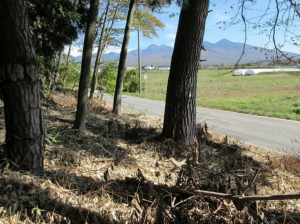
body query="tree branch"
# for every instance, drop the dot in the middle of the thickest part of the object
(195, 192)
(228, 196)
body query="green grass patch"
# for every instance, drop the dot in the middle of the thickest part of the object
(268, 94)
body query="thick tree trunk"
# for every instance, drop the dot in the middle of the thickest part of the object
(99, 54)
(24, 123)
(81, 112)
(180, 109)
(122, 61)
(20, 87)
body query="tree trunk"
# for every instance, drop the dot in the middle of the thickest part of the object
(180, 109)
(99, 54)
(69, 52)
(21, 88)
(56, 76)
(81, 112)
(139, 62)
(122, 61)
(68, 60)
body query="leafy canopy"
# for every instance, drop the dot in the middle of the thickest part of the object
(147, 23)
(55, 23)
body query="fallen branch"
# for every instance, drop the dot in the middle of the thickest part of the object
(229, 196)
(222, 195)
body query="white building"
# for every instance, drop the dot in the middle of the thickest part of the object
(149, 68)
(240, 72)
(164, 69)
(256, 71)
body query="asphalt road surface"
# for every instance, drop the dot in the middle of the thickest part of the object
(277, 134)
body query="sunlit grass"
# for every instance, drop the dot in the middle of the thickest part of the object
(268, 94)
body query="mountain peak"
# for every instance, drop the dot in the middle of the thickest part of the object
(216, 54)
(152, 46)
(224, 41)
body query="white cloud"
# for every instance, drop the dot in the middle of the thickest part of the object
(95, 50)
(130, 49)
(75, 51)
(171, 36)
(221, 16)
(112, 49)
(170, 26)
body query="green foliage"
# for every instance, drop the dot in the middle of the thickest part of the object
(147, 23)
(70, 72)
(107, 78)
(36, 210)
(50, 138)
(38, 213)
(158, 4)
(131, 81)
(46, 65)
(54, 23)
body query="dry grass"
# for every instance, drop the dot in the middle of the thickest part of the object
(113, 174)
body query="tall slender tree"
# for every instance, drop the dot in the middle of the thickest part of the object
(180, 109)
(81, 112)
(99, 52)
(145, 22)
(57, 72)
(64, 79)
(122, 61)
(19, 82)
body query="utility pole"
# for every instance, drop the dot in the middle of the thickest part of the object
(139, 62)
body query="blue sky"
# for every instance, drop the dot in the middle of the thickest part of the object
(223, 11)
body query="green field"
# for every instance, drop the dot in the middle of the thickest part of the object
(268, 94)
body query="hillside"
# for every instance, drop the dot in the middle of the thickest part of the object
(217, 53)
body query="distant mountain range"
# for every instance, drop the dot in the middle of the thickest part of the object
(215, 54)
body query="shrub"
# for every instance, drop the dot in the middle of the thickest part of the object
(107, 78)
(131, 81)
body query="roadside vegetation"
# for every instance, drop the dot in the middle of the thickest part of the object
(121, 171)
(266, 94)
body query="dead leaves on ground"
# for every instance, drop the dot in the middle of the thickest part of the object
(111, 175)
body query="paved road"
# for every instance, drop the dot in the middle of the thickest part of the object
(278, 134)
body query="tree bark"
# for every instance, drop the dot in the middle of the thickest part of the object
(99, 54)
(21, 88)
(81, 112)
(180, 109)
(122, 61)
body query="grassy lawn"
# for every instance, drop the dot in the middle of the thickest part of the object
(268, 94)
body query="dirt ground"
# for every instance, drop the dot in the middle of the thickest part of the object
(122, 171)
